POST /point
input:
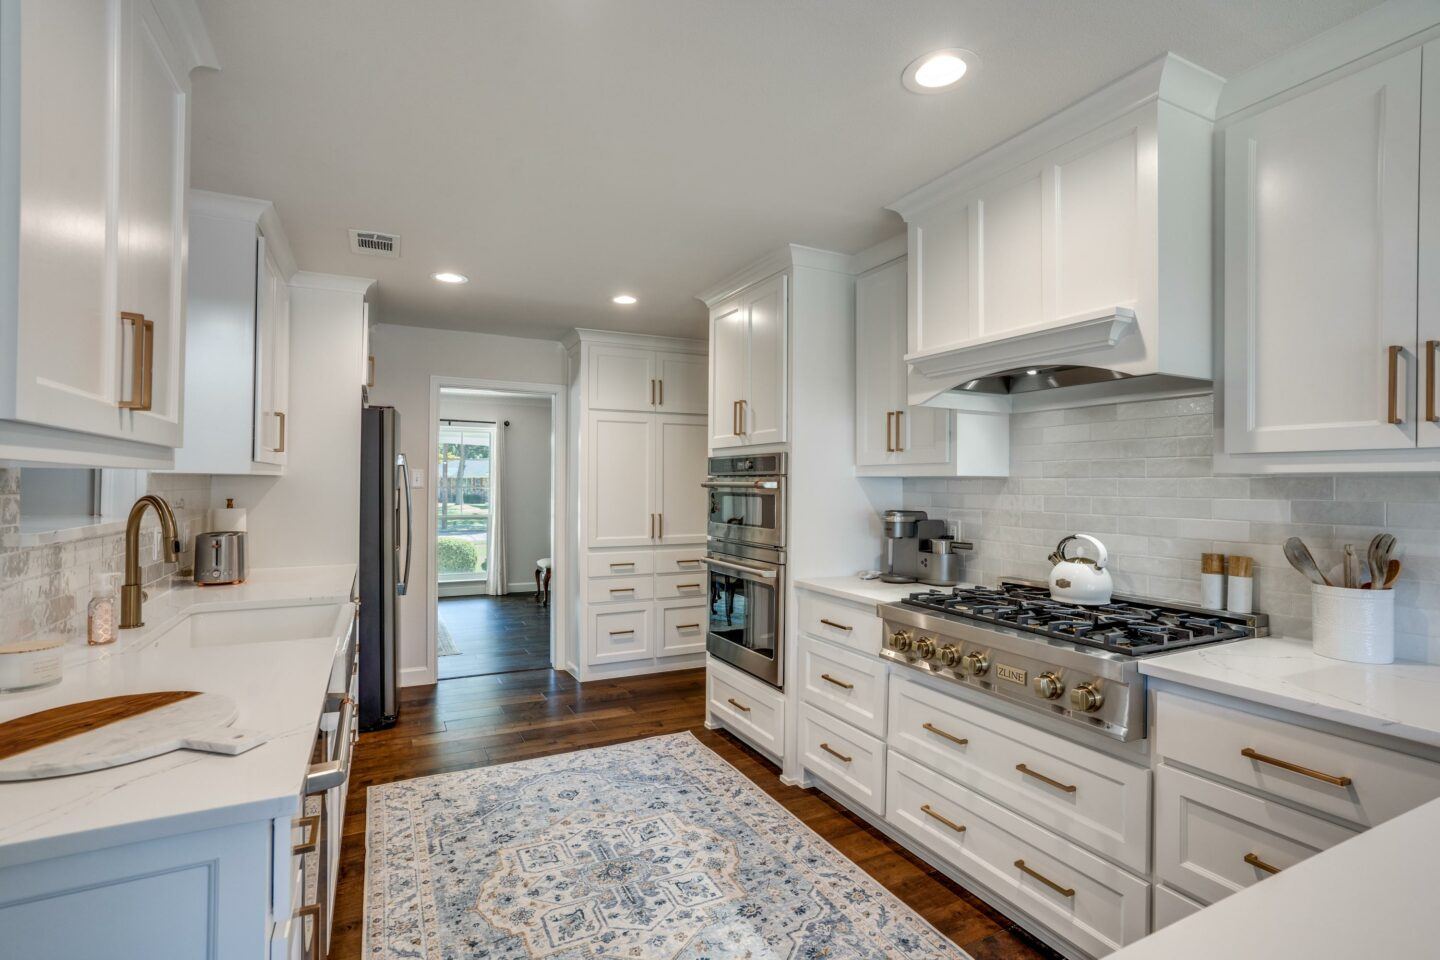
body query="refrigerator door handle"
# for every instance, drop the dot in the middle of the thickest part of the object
(404, 480)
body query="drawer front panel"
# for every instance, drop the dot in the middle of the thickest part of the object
(1212, 840)
(690, 586)
(627, 564)
(847, 684)
(1098, 906)
(848, 759)
(619, 589)
(1092, 798)
(681, 628)
(681, 560)
(1170, 906)
(747, 707)
(1211, 737)
(617, 635)
(849, 624)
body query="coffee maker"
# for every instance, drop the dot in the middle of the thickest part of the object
(904, 531)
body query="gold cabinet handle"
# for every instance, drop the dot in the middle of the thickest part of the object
(659, 526)
(961, 741)
(687, 586)
(370, 378)
(835, 753)
(735, 417)
(626, 563)
(743, 431)
(622, 589)
(1430, 347)
(899, 431)
(957, 827)
(890, 431)
(652, 526)
(142, 363)
(1063, 787)
(695, 562)
(280, 448)
(1393, 381)
(660, 392)
(652, 393)
(839, 683)
(687, 626)
(738, 705)
(837, 626)
(1250, 753)
(311, 824)
(621, 633)
(1259, 864)
(1063, 891)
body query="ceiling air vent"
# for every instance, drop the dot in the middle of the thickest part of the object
(373, 243)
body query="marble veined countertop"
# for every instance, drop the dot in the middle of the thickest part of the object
(279, 687)
(861, 591)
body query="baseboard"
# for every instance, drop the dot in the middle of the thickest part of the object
(641, 668)
(417, 677)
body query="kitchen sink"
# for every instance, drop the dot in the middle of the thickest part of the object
(219, 628)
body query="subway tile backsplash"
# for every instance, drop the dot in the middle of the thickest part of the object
(1139, 476)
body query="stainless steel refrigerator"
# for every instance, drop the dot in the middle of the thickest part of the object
(386, 524)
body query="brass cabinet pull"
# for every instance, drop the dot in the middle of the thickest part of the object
(1259, 864)
(1250, 753)
(899, 431)
(1394, 376)
(837, 626)
(626, 563)
(1430, 347)
(838, 683)
(660, 392)
(687, 626)
(142, 364)
(311, 824)
(1063, 891)
(659, 526)
(280, 448)
(735, 417)
(948, 736)
(652, 526)
(370, 380)
(696, 562)
(743, 431)
(652, 393)
(687, 586)
(622, 589)
(957, 827)
(621, 633)
(835, 753)
(1065, 787)
(889, 431)
(738, 705)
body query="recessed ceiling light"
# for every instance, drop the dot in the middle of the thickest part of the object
(939, 71)
(623, 299)
(446, 277)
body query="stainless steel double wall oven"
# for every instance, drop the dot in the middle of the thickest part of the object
(746, 557)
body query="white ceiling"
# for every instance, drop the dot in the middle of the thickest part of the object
(561, 151)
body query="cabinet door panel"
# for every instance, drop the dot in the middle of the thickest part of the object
(879, 345)
(1012, 276)
(267, 428)
(680, 467)
(764, 413)
(729, 343)
(621, 477)
(681, 383)
(1095, 226)
(939, 311)
(1429, 306)
(1321, 200)
(621, 378)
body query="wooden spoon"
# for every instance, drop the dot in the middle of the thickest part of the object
(1300, 558)
(1378, 555)
(1392, 573)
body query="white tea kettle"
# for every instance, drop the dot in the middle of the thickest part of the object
(1080, 579)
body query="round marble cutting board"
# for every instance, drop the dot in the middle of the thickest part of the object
(200, 721)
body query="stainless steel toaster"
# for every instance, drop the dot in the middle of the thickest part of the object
(220, 557)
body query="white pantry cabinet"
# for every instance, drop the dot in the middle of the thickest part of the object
(635, 378)
(643, 476)
(92, 293)
(749, 340)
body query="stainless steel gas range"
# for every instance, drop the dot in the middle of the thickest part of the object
(1077, 663)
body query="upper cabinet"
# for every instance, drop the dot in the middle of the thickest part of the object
(92, 293)
(749, 340)
(643, 379)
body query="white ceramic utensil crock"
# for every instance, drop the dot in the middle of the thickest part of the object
(1081, 580)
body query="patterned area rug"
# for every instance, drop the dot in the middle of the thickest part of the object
(651, 849)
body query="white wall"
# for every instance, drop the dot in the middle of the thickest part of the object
(311, 514)
(526, 474)
(405, 360)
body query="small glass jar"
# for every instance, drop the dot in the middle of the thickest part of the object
(102, 615)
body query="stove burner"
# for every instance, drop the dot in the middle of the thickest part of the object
(1124, 627)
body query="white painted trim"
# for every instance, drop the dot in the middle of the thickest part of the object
(787, 257)
(880, 254)
(359, 286)
(638, 340)
(261, 213)
(1040, 345)
(25, 444)
(186, 28)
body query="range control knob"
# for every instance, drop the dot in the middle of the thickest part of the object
(925, 648)
(901, 640)
(1048, 685)
(1086, 697)
(975, 663)
(949, 654)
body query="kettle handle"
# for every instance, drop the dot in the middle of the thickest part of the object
(1102, 555)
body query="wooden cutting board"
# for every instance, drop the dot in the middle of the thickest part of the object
(95, 734)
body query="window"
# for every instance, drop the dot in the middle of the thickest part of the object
(462, 500)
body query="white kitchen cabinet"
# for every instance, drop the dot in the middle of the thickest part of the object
(639, 378)
(644, 476)
(272, 359)
(749, 338)
(97, 106)
(681, 506)
(1428, 306)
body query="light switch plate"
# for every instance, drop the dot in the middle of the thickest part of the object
(417, 478)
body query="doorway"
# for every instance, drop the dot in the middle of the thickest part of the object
(494, 529)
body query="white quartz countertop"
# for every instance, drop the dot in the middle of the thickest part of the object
(861, 591)
(279, 687)
(1398, 699)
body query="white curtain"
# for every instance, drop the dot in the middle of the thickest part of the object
(498, 584)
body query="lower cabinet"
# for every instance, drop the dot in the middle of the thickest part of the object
(638, 619)
(621, 632)
(846, 758)
(749, 708)
(1168, 906)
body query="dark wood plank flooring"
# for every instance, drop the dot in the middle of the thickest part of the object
(479, 721)
(494, 635)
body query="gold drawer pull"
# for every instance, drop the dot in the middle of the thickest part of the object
(1063, 891)
(687, 586)
(1393, 413)
(957, 827)
(738, 705)
(838, 683)
(889, 431)
(687, 626)
(899, 431)
(1066, 787)
(835, 753)
(1250, 753)
(1430, 413)
(837, 626)
(311, 824)
(142, 365)
(626, 563)
(622, 589)
(691, 561)
(280, 448)
(621, 633)
(1259, 864)
(961, 741)
(370, 380)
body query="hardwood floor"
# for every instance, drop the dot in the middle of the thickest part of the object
(494, 635)
(479, 721)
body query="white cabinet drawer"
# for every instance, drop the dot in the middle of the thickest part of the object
(690, 586)
(1212, 840)
(680, 628)
(620, 633)
(681, 560)
(1097, 906)
(1210, 737)
(619, 589)
(626, 564)
(749, 708)
(850, 685)
(1170, 906)
(1092, 798)
(847, 759)
(853, 625)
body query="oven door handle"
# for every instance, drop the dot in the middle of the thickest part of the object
(743, 484)
(743, 569)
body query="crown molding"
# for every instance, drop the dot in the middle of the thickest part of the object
(883, 252)
(332, 281)
(642, 341)
(787, 257)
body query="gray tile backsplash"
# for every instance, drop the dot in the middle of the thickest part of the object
(46, 589)
(1139, 476)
